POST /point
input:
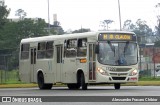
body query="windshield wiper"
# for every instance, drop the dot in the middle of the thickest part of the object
(126, 47)
(112, 47)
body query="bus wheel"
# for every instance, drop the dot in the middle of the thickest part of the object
(48, 86)
(83, 84)
(117, 85)
(73, 86)
(41, 83)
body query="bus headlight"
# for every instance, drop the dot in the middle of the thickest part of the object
(134, 72)
(103, 72)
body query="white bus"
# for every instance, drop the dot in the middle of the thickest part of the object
(108, 57)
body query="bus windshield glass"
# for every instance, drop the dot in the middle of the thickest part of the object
(118, 53)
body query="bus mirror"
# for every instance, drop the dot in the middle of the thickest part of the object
(65, 43)
(97, 49)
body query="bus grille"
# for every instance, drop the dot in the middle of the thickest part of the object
(118, 74)
(120, 69)
(118, 78)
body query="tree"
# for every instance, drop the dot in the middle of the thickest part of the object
(10, 44)
(105, 24)
(143, 31)
(158, 20)
(31, 28)
(13, 32)
(56, 29)
(21, 13)
(128, 25)
(140, 28)
(25, 28)
(157, 33)
(4, 12)
(9, 36)
(39, 28)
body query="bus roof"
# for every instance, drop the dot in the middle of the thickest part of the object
(68, 36)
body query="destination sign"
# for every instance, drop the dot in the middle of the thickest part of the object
(125, 37)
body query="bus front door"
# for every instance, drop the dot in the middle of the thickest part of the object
(92, 62)
(33, 62)
(59, 62)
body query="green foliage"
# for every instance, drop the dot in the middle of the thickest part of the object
(149, 79)
(39, 28)
(13, 32)
(128, 25)
(56, 29)
(31, 28)
(9, 76)
(140, 28)
(4, 12)
(157, 44)
(8, 36)
(21, 13)
(158, 20)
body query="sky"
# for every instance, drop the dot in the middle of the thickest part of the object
(74, 14)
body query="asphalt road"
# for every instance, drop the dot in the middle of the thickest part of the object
(131, 91)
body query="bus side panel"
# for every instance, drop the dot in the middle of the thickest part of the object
(46, 66)
(84, 68)
(24, 71)
(69, 70)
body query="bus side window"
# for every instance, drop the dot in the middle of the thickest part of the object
(49, 49)
(41, 50)
(71, 48)
(25, 51)
(82, 47)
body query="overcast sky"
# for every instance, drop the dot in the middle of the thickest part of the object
(72, 14)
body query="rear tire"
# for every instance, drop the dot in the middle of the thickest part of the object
(41, 83)
(83, 84)
(117, 86)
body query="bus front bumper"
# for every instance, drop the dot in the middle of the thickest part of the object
(116, 79)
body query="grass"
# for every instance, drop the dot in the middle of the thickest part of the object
(7, 77)
(149, 79)
(148, 83)
(14, 82)
(17, 85)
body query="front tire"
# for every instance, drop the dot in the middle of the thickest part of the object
(41, 83)
(117, 86)
(83, 84)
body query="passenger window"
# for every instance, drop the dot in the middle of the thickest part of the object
(41, 50)
(45, 50)
(71, 48)
(25, 51)
(82, 47)
(49, 49)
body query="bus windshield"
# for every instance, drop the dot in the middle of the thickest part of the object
(118, 53)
